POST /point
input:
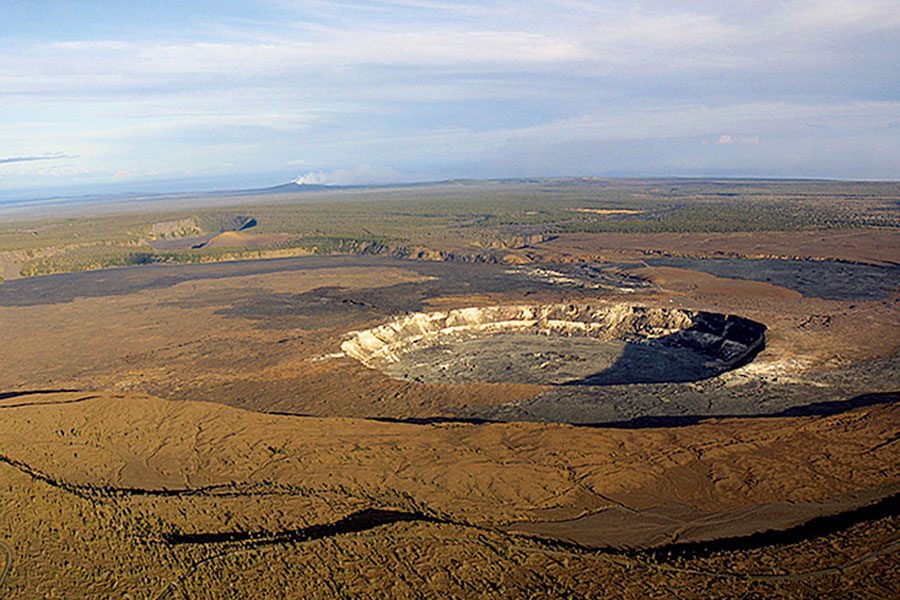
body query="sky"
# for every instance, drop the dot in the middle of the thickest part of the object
(217, 94)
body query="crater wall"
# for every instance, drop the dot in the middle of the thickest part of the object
(726, 341)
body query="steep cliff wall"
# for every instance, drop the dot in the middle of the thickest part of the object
(727, 339)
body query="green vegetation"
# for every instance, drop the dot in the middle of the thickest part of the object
(223, 221)
(459, 215)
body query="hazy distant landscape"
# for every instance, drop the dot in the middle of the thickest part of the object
(484, 221)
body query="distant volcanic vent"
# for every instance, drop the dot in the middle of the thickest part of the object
(558, 344)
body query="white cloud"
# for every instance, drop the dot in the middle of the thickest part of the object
(566, 37)
(866, 15)
(116, 65)
(422, 82)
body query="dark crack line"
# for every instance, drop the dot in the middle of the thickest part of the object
(796, 576)
(356, 522)
(813, 528)
(884, 444)
(60, 402)
(371, 519)
(817, 409)
(364, 520)
(8, 395)
(44, 478)
(90, 492)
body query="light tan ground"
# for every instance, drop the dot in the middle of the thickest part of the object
(608, 211)
(86, 466)
(247, 238)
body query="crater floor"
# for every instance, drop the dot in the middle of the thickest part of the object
(548, 359)
(558, 344)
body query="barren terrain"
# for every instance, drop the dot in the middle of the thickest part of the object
(474, 392)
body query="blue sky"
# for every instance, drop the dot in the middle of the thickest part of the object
(154, 95)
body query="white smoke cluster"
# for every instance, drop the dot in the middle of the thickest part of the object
(362, 175)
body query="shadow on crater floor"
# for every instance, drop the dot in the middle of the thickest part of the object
(679, 358)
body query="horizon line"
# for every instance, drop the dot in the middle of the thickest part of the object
(138, 193)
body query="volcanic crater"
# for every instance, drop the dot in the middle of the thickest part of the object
(558, 344)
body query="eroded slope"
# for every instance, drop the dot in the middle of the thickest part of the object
(692, 483)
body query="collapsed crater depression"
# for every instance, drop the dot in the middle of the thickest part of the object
(558, 344)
